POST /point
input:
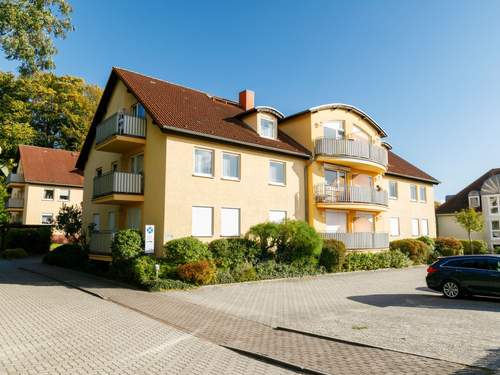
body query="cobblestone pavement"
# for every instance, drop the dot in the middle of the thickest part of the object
(47, 328)
(226, 329)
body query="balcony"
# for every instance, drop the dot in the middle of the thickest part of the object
(360, 240)
(120, 133)
(118, 188)
(355, 197)
(14, 204)
(357, 154)
(100, 245)
(14, 179)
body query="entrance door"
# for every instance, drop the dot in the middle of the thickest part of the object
(134, 218)
(336, 221)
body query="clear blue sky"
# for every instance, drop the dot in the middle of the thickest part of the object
(427, 71)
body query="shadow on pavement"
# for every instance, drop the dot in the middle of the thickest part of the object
(490, 361)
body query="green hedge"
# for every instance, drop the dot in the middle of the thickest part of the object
(32, 240)
(232, 252)
(298, 243)
(474, 247)
(13, 254)
(68, 255)
(447, 246)
(186, 250)
(332, 255)
(371, 261)
(126, 245)
(165, 284)
(416, 250)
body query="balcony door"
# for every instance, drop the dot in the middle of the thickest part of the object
(137, 164)
(134, 218)
(359, 134)
(362, 180)
(333, 129)
(364, 222)
(336, 221)
(335, 183)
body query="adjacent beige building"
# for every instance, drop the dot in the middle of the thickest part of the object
(194, 164)
(44, 180)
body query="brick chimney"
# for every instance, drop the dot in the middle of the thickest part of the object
(247, 99)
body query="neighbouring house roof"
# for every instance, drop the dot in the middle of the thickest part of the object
(461, 200)
(49, 166)
(175, 108)
(402, 168)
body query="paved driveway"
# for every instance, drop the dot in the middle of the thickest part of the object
(390, 309)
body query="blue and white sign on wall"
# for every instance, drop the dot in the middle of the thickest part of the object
(149, 240)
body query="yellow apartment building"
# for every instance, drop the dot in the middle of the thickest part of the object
(190, 163)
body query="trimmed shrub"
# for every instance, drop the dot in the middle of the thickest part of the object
(428, 241)
(274, 270)
(200, 272)
(143, 269)
(298, 243)
(14, 254)
(371, 261)
(398, 259)
(224, 276)
(474, 247)
(244, 272)
(232, 252)
(32, 240)
(332, 255)
(447, 246)
(416, 250)
(68, 256)
(126, 245)
(265, 235)
(165, 284)
(186, 250)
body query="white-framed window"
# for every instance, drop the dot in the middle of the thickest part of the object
(277, 174)
(393, 189)
(48, 194)
(64, 195)
(229, 222)
(203, 162)
(414, 228)
(47, 219)
(359, 134)
(137, 163)
(231, 166)
(495, 228)
(202, 221)
(394, 226)
(424, 227)
(138, 110)
(422, 193)
(277, 216)
(494, 204)
(334, 129)
(413, 193)
(474, 201)
(96, 221)
(268, 127)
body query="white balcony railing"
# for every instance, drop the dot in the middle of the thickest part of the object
(100, 242)
(118, 182)
(360, 240)
(14, 203)
(351, 149)
(349, 194)
(120, 124)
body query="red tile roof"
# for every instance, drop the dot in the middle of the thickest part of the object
(49, 166)
(400, 167)
(181, 109)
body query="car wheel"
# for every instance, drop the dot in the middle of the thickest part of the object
(451, 289)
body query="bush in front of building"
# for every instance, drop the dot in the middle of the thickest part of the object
(13, 253)
(126, 245)
(428, 241)
(165, 284)
(199, 272)
(359, 261)
(332, 255)
(32, 240)
(265, 235)
(448, 246)
(298, 243)
(474, 247)
(416, 250)
(232, 252)
(68, 256)
(272, 269)
(186, 250)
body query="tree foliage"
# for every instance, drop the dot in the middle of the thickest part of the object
(27, 29)
(69, 220)
(470, 220)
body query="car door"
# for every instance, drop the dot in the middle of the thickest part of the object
(492, 285)
(481, 275)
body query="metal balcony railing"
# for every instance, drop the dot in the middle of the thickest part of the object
(359, 240)
(118, 182)
(351, 149)
(349, 194)
(14, 177)
(100, 242)
(120, 124)
(14, 203)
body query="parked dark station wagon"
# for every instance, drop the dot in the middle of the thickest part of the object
(460, 276)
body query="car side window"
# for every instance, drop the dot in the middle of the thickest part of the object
(493, 264)
(470, 263)
(454, 263)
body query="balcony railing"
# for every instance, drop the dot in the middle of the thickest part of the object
(15, 178)
(349, 194)
(100, 242)
(14, 203)
(360, 240)
(120, 124)
(118, 182)
(351, 149)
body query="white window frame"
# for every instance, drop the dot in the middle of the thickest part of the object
(283, 163)
(420, 188)
(200, 233)
(413, 226)
(497, 206)
(472, 198)
(396, 188)
(398, 227)
(59, 195)
(275, 127)
(53, 194)
(133, 163)
(416, 193)
(47, 214)
(223, 232)
(340, 133)
(422, 226)
(277, 211)
(232, 178)
(494, 230)
(199, 174)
